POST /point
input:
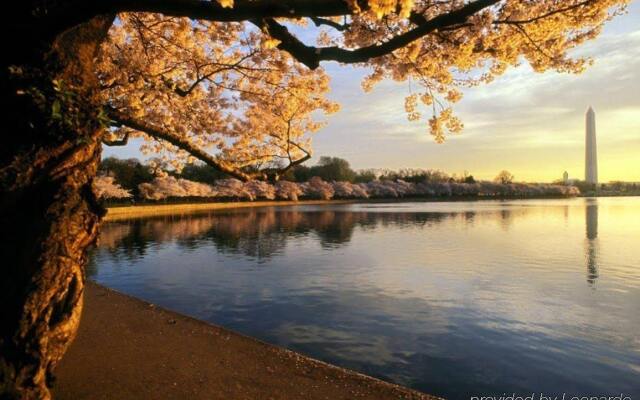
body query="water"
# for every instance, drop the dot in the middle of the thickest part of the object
(456, 299)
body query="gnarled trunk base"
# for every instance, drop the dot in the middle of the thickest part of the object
(48, 212)
(45, 233)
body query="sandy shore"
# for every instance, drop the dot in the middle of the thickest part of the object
(130, 349)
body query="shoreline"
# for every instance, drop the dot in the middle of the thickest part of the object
(121, 212)
(148, 210)
(130, 349)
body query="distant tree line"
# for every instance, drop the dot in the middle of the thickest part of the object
(331, 178)
(130, 173)
(621, 188)
(170, 188)
(613, 188)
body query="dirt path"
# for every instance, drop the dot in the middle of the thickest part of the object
(129, 349)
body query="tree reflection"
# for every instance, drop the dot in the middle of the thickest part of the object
(262, 233)
(591, 246)
(506, 219)
(257, 233)
(130, 239)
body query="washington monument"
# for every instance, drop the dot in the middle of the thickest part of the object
(591, 152)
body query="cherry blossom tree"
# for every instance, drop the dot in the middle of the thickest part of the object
(188, 87)
(261, 190)
(233, 189)
(105, 188)
(288, 190)
(168, 186)
(316, 188)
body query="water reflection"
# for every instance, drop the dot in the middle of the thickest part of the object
(259, 233)
(506, 219)
(591, 212)
(456, 299)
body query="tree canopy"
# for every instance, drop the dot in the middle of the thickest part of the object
(233, 84)
(504, 177)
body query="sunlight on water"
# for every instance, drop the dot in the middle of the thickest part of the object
(455, 299)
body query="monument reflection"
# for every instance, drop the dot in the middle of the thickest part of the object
(591, 244)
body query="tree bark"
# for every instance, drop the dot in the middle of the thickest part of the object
(49, 215)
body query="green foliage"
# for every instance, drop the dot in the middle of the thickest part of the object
(416, 175)
(66, 109)
(333, 169)
(585, 188)
(201, 173)
(128, 173)
(365, 175)
(328, 168)
(300, 173)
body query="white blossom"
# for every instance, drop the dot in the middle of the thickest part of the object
(286, 190)
(105, 187)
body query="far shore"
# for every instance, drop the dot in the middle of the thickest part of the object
(150, 210)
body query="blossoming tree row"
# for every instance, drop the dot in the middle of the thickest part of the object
(169, 187)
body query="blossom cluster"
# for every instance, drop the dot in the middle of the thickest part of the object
(316, 188)
(105, 187)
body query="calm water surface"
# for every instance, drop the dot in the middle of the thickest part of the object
(455, 299)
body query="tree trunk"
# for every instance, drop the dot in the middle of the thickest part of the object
(48, 212)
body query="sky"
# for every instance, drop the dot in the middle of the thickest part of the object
(528, 123)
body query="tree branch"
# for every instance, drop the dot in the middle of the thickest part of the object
(55, 17)
(318, 21)
(524, 32)
(278, 172)
(185, 92)
(547, 15)
(119, 142)
(312, 56)
(293, 164)
(178, 141)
